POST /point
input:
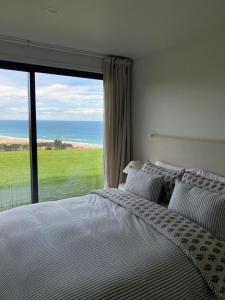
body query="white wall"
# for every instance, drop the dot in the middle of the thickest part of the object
(180, 92)
(20, 53)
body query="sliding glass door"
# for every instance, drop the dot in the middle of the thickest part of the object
(51, 133)
(70, 135)
(14, 140)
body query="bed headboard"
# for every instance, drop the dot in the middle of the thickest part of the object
(189, 152)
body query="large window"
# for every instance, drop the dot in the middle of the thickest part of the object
(51, 133)
(14, 143)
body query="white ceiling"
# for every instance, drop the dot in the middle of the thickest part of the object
(122, 27)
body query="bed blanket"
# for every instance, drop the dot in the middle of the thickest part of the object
(106, 245)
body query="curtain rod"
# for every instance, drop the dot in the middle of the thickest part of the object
(31, 43)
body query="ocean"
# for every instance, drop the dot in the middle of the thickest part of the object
(87, 132)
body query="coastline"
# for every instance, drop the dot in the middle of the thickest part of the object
(10, 140)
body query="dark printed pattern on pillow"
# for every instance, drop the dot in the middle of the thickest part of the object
(204, 183)
(169, 178)
(203, 249)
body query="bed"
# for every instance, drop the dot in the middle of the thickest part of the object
(110, 244)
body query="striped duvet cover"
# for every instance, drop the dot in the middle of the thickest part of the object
(100, 246)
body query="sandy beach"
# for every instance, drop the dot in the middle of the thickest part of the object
(13, 140)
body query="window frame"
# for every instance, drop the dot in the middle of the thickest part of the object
(31, 69)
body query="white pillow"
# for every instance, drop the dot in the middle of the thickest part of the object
(133, 164)
(167, 166)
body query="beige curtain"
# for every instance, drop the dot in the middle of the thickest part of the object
(117, 118)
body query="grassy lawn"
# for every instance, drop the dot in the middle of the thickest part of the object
(62, 174)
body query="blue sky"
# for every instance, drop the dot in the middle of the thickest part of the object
(57, 97)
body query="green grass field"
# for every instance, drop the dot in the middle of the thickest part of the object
(62, 174)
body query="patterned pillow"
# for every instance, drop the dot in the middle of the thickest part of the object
(144, 184)
(201, 206)
(169, 178)
(203, 182)
(205, 173)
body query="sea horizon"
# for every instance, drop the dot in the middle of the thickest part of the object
(75, 132)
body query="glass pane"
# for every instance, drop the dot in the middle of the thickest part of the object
(14, 143)
(70, 135)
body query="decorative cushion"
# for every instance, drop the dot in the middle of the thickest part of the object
(144, 184)
(201, 206)
(169, 178)
(203, 182)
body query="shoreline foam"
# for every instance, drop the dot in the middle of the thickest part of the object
(15, 140)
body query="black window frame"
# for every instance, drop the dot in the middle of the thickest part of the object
(31, 69)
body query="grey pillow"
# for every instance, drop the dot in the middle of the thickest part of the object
(201, 206)
(169, 178)
(144, 184)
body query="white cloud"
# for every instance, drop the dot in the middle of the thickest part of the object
(54, 101)
(19, 109)
(84, 110)
(64, 93)
(7, 91)
(53, 91)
